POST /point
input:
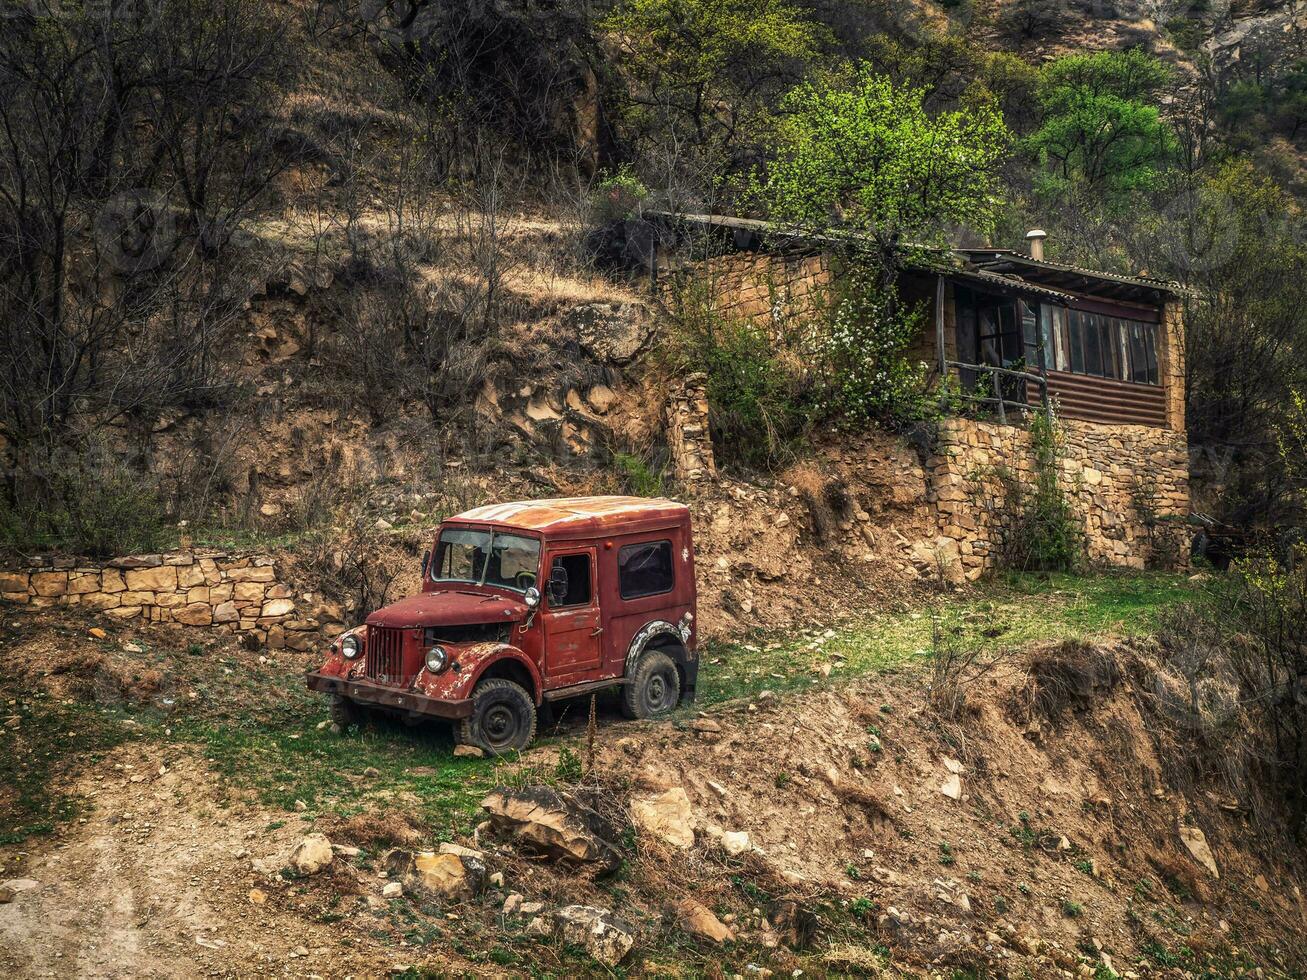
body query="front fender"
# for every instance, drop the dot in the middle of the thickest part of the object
(473, 660)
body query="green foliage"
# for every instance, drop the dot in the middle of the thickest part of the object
(568, 769)
(862, 350)
(1037, 529)
(95, 505)
(861, 153)
(760, 400)
(619, 194)
(1102, 135)
(639, 478)
(708, 71)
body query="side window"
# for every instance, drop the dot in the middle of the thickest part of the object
(645, 569)
(569, 581)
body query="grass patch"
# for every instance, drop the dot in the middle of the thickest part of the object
(35, 757)
(1010, 612)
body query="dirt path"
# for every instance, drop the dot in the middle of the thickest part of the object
(155, 881)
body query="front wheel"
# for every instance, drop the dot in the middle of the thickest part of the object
(654, 688)
(503, 717)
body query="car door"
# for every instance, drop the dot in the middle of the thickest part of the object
(572, 627)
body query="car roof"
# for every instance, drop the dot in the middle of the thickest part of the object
(580, 515)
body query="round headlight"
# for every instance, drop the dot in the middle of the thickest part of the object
(349, 647)
(437, 659)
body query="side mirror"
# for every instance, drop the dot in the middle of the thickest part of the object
(532, 597)
(557, 585)
(426, 562)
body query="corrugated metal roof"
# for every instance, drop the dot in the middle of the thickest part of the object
(961, 262)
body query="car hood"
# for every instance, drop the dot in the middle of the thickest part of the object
(448, 609)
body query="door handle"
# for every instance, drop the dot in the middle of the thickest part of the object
(598, 630)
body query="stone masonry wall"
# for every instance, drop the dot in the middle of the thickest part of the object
(1102, 468)
(203, 589)
(764, 288)
(687, 431)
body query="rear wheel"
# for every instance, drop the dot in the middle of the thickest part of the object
(503, 717)
(654, 688)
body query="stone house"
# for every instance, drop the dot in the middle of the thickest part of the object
(1014, 333)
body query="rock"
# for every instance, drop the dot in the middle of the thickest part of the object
(468, 752)
(449, 848)
(1196, 843)
(736, 842)
(952, 787)
(312, 854)
(613, 332)
(666, 816)
(392, 889)
(705, 725)
(443, 875)
(346, 851)
(258, 896)
(98, 633)
(697, 920)
(382, 524)
(371, 772)
(605, 937)
(952, 765)
(601, 398)
(547, 822)
(532, 908)
(512, 903)
(497, 879)
(539, 926)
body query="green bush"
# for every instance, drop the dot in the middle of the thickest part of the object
(95, 505)
(760, 392)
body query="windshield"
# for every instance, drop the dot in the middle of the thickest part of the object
(486, 558)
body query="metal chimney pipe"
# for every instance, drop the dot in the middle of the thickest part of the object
(1036, 238)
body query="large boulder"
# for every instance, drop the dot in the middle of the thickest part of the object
(611, 332)
(605, 937)
(312, 854)
(546, 822)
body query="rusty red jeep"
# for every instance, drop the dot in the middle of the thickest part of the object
(525, 604)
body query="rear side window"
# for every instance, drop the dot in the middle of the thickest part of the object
(645, 569)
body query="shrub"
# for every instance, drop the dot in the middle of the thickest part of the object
(1030, 515)
(760, 400)
(93, 505)
(862, 349)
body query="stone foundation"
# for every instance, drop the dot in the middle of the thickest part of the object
(1127, 484)
(202, 589)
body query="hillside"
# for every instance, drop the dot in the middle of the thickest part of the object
(983, 691)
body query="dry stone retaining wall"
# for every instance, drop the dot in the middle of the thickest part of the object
(687, 431)
(215, 589)
(1104, 468)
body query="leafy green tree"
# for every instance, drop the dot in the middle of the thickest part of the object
(1101, 138)
(706, 71)
(866, 156)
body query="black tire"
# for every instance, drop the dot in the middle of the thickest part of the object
(344, 712)
(654, 687)
(503, 717)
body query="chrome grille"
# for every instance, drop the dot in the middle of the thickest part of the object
(385, 655)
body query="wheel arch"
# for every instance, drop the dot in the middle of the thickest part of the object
(511, 665)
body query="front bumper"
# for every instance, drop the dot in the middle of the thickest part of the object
(384, 696)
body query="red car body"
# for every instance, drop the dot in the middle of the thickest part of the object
(577, 637)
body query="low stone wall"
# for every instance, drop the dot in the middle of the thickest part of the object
(202, 589)
(1128, 485)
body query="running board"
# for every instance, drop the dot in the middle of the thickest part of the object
(576, 690)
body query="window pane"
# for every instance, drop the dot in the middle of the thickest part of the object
(1093, 344)
(1111, 363)
(645, 569)
(1076, 338)
(1030, 335)
(569, 581)
(1150, 342)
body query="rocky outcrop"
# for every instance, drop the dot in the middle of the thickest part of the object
(544, 821)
